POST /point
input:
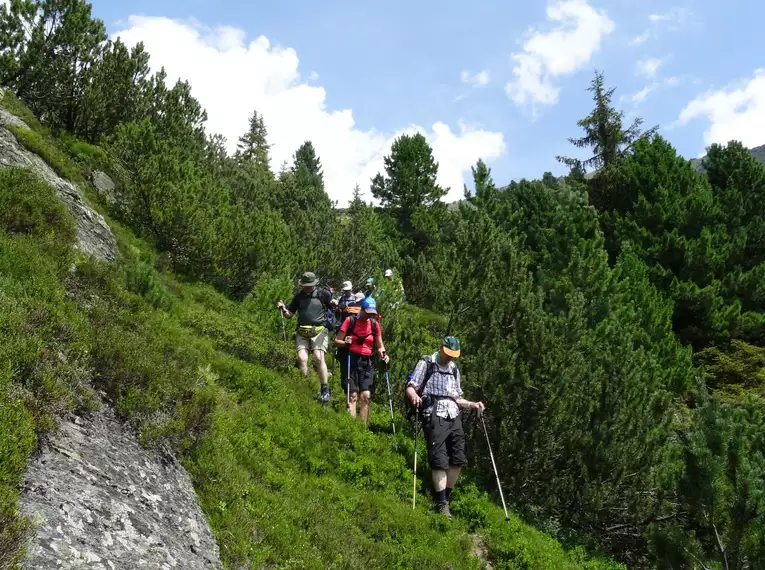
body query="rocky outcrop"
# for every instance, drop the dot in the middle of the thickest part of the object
(102, 502)
(93, 234)
(105, 186)
(7, 118)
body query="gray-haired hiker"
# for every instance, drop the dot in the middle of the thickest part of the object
(435, 389)
(310, 303)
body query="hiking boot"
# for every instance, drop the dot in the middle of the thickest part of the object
(324, 395)
(443, 508)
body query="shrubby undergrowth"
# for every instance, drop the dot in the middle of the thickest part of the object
(284, 481)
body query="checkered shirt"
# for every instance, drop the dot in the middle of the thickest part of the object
(440, 384)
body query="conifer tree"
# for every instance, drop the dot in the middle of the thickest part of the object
(307, 167)
(253, 146)
(604, 131)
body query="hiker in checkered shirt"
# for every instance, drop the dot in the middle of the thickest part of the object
(434, 388)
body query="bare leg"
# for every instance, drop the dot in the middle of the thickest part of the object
(366, 397)
(321, 366)
(303, 360)
(354, 399)
(439, 480)
(451, 476)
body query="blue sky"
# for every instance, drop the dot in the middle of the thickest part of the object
(397, 64)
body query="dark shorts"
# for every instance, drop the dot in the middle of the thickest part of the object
(362, 373)
(446, 441)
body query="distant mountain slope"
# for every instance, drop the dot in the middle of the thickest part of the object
(758, 152)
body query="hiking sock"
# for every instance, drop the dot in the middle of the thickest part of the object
(439, 496)
(448, 492)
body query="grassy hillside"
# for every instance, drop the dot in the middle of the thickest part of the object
(284, 481)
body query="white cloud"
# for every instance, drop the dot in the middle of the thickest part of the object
(642, 38)
(734, 112)
(574, 39)
(641, 95)
(480, 79)
(676, 17)
(673, 20)
(232, 77)
(649, 67)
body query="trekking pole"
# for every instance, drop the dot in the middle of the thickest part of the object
(414, 476)
(284, 330)
(348, 381)
(390, 401)
(499, 485)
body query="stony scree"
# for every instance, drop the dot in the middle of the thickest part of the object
(101, 501)
(93, 234)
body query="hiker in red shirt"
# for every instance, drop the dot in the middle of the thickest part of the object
(361, 334)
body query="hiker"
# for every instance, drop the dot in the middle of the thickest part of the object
(361, 335)
(342, 303)
(394, 298)
(341, 352)
(310, 303)
(434, 389)
(369, 288)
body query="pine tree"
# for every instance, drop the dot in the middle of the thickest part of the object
(411, 195)
(604, 131)
(253, 146)
(50, 49)
(307, 167)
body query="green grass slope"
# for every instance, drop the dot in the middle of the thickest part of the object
(284, 481)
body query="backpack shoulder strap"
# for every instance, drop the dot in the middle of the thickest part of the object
(428, 371)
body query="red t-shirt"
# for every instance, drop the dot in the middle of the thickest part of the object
(360, 330)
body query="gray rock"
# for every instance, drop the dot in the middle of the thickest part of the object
(102, 502)
(105, 186)
(7, 118)
(93, 234)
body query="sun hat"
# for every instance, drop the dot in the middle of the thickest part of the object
(451, 346)
(308, 279)
(347, 286)
(388, 273)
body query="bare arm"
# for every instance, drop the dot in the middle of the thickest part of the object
(285, 311)
(340, 339)
(381, 348)
(463, 403)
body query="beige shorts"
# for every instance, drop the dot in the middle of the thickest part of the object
(318, 342)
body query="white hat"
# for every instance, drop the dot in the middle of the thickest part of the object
(388, 273)
(359, 296)
(347, 286)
